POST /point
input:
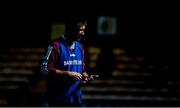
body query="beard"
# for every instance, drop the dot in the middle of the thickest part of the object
(80, 37)
(74, 36)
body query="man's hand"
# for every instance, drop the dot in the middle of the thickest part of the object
(85, 76)
(75, 75)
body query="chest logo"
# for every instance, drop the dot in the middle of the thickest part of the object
(72, 55)
(73, 62)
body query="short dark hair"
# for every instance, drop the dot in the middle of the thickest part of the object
(72, 21)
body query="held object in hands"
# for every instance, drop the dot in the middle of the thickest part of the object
(91, 77)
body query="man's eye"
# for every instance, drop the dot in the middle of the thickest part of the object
(81, 29)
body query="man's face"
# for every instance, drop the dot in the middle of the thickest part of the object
(76, 32)
(81, 31)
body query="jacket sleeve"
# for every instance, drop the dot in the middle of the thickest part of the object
(50, 59)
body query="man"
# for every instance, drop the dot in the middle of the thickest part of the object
(64, 65)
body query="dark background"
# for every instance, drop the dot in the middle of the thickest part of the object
(142, 29)
(146, 28)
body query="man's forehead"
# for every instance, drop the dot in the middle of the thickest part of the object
(81, 24)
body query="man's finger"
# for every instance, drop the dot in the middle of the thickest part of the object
(86, 79)
(79, 76)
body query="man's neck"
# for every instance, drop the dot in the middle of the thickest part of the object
(68, 41)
